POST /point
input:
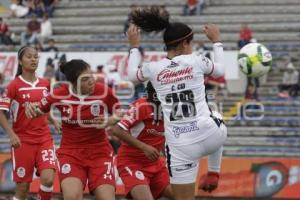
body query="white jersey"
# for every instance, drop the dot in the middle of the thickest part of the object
(179, 83)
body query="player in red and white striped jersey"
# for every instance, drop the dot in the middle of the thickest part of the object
(32, 144)
(140, 166)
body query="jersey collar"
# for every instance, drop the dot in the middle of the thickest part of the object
(29, 83)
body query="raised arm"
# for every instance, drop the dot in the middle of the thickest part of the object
(216, 68)
(136, 72)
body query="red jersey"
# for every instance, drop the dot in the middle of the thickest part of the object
(17, 93)
(140, 123)
(78, 114)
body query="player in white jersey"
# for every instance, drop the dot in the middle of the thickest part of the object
(191, 129)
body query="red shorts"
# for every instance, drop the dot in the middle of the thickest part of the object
(30, 156)
(136, 173)
(89, 165)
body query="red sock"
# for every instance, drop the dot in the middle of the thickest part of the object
(45, 193)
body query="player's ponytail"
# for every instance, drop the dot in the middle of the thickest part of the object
(150, 19)
(156, 18)
(152, 98)
(20, 56)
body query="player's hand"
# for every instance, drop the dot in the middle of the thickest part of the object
(133, 35)
(32, 110)
(57, 126)
(100, 122)
(210, 182)
(15, 140)
(212, 32)
(151, 152)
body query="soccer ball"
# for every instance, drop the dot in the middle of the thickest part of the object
(254, 60)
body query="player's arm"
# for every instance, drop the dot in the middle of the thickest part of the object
(32, 110)
(56, 124)
(125, 136)
(215, 68)
(136, 71)
(14, 139)
(122, 130)
(5, 103)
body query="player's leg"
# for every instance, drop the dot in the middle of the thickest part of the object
(46, 186)
(160, 181)
(183, 170)
(213, 147)
(21, 191)
(23, 167)
(184, 191)
(105, 192)
(135, 182)
(72, 188)
(141, 192)
(168, 192)
(72, 174)
(46, 165)
(101, 176)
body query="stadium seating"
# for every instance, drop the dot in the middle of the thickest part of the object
(78, 22)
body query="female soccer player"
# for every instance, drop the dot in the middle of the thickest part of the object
(140, 166)
(32, 144)
(191, 130)
(85, 156)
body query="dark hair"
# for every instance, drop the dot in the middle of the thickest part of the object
(156, 19)
(100, 67)
(73, 69)
(152, 98)
(20, 56)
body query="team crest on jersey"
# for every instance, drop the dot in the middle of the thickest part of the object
(95, 109)
(139, 175)
(66, 168)
(45, 93)
(21, 172)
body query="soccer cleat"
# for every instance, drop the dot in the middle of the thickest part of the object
(210, 182)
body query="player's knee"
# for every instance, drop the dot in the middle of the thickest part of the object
(72, 195)
(47, 181)
(143, 198)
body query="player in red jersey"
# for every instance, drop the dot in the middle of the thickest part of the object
(85, 156)
(140, 166)
(32, 144)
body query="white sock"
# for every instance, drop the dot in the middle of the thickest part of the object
(45, 188)
(214, 160)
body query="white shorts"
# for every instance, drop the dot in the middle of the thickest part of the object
(183, 161)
